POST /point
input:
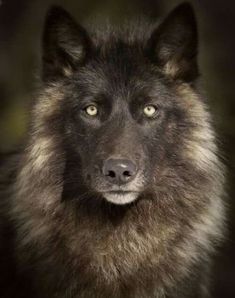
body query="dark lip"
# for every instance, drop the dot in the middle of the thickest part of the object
(119, 191)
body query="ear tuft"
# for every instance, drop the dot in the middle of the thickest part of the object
(173, 45)
(65, 44)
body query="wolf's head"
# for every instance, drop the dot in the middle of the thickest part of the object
(125, 106)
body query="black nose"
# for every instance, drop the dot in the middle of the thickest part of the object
(119, 171)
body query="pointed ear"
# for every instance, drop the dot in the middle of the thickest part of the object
(173, 45)
(66, 44)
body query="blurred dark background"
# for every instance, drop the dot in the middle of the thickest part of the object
(20, 30)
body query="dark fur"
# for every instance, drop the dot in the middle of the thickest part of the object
(61, 237)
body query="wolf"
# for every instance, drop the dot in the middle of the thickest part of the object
(119, 189)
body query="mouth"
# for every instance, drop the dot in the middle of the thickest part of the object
(120, 197)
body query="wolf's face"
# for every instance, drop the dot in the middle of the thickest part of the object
(122, 120)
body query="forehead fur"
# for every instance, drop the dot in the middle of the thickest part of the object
(119, 60)
(121, 50)
(135, 31)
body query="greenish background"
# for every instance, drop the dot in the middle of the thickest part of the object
(21, 25)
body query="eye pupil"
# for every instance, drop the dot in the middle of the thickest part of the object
(91, 110)
(150, 111)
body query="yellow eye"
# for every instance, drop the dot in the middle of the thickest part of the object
(150, 111)
(91, 110)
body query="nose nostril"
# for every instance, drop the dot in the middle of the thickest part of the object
(127, 174)
(111, 174)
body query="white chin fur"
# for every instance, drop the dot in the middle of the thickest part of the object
(120, 199)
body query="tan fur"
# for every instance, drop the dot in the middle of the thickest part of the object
(171, 69)
(200, 145)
